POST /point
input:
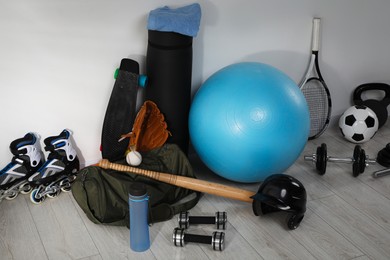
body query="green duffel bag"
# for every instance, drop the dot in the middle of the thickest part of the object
(103, 194)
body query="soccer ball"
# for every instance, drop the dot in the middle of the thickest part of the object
(358, 124)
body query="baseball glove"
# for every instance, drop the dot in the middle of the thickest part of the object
(149, 129)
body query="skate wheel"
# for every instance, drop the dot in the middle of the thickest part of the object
(12, 196)
(72, 178)
(25, 188)
(53, 194)
(66, 184)
(66, 189)
(33, 197)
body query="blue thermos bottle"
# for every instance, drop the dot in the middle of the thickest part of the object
(139, 228)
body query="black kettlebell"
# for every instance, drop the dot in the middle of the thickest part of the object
(378, 106)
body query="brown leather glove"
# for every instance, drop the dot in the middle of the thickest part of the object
(149, 129)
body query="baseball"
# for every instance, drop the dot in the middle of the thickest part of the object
(134, 158)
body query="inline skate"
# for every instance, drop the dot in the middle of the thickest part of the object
(59, 170)
(28, 158)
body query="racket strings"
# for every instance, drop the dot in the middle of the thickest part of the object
(317, 101)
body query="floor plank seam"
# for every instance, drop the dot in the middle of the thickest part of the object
(26, 202)
(83, 221)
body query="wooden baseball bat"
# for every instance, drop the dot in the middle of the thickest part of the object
(184, 182)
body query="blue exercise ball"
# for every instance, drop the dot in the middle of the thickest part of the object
(248, 121)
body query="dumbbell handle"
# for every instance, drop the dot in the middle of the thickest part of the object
(313, 158)
(198, 239)
(340, 160)
(219, 219)
(201, 220)
(381, 173)
(216, 240)
(368, 161)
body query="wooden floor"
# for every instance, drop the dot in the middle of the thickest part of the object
(346, 218)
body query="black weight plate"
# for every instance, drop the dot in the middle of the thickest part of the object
(318, 160)
(362, 161)
(356, 153)
(383, 160)
(356, 161)
(383, 156)
(321, 159)
(355, 168)
(385, 153)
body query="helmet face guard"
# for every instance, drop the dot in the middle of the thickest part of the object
(281, 192)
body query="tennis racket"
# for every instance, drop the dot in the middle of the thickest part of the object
(315, 90)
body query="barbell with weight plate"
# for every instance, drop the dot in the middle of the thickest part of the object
(359, 160)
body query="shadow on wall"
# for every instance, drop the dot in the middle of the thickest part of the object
(209, 18)
(294, 64)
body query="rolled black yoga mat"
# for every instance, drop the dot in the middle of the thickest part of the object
(169, 70)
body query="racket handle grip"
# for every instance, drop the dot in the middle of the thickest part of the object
(316, 34)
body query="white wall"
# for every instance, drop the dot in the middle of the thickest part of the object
(57, 58)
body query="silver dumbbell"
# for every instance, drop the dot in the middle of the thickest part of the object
(219, 220)
(216, 240)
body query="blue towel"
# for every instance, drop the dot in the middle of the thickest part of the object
(184, 20)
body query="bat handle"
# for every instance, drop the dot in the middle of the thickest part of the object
(106, 164)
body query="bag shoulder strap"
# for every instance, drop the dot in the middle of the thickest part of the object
(166, 211)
